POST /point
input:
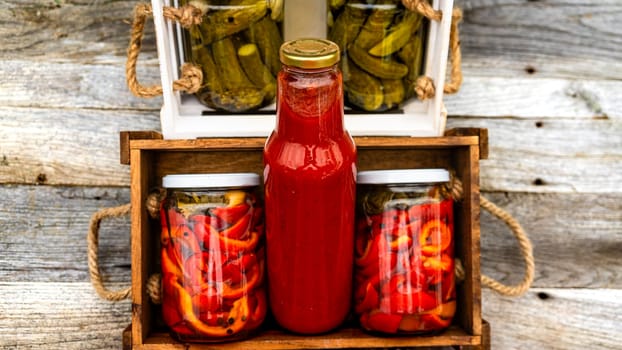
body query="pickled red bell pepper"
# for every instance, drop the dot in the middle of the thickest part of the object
(231, 214)
(435, 237)
(377, 320)
(235, 322)
(240, 228)
(404, 271)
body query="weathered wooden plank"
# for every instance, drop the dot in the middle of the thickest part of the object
(555, 319)
(576, 237)
(559, 155)
(47, 84)
(85, 31)
(59, 316)
(43, 234)
(81, 147)
(558, 38)
(564, 39)
(71, 85)
(73, 146)
(532, 97)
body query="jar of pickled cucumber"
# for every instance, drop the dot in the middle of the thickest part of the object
(237, 47)
(212, 256)
(382, 44)
(404, 251)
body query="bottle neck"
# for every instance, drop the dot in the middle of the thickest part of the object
(310, 104)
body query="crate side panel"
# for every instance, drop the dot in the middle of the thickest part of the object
(140, 172)
(467, 235)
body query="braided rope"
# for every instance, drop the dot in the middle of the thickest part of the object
(525, 247)
(524, 244)
(424, 86)
(93, 247)
(424, 8)
(154, 288)
(191, 75)
(453, 85)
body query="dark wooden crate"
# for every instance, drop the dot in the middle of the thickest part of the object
(150, 158)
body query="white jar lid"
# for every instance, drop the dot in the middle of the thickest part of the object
(210, 180)
(403, 176)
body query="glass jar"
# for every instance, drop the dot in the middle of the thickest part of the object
(404, 251)
(310, 185)
(212, 256)
(382, 46)
(237, 47)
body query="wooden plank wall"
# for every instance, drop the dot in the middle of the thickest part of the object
(544, 76)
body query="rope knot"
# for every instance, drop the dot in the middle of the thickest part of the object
(191, 79)
(143, 10)
(424, 88)
(187, 15)
(424, 8)
(152, 204)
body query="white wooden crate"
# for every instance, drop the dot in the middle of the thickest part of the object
(184, 117)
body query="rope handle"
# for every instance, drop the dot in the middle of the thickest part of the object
(526, 248)
(424, 86)
(191, 75)
(93, 258)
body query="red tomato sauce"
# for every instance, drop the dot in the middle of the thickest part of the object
(309, 198)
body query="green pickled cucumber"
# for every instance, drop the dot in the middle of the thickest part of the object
(377, 22)
(335, 4)
(256, 71)
(348, 24)
(239, 93)
(393, 90)
(361, 89)
(202, 57)
(219, 24)
(381, 67)
(398, 36)
(412, 55)
(265, 34)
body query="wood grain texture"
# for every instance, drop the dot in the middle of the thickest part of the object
(66, 146)
(559, 155)
(59, 315)
(553, 38)
(534, 97)
(577, 239)
(43, 234)
(555, 319)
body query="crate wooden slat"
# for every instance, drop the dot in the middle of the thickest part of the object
(348, 338)
(151, 158)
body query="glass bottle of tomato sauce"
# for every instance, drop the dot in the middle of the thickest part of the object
(310, 180)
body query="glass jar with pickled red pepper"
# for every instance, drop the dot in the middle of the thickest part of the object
(404, 251)
(382, 44)
(237, 47)
(212, 256)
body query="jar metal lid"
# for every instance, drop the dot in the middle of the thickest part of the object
(309, 53)
(403, 176)
(210, 180)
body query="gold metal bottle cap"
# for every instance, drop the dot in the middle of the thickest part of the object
(309, 53)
